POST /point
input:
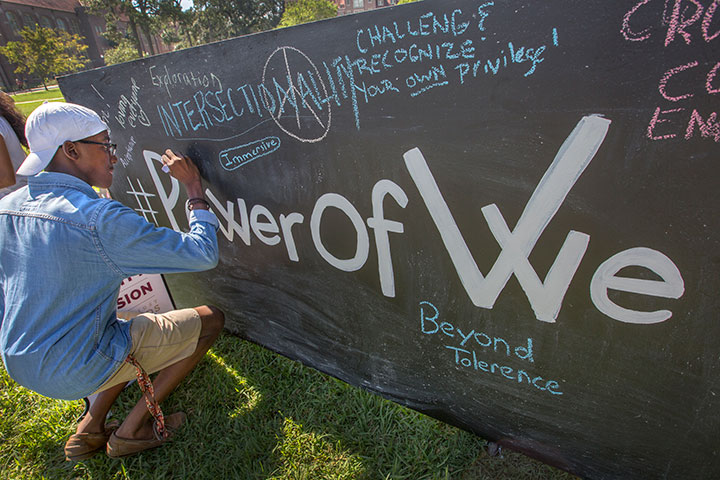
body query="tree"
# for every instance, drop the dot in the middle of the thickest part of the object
(122, 52)
(303, 11)
(146, 17)
(221, 19)
(46, 53)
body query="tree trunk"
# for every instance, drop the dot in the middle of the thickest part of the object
(134, 29)
(151, 45)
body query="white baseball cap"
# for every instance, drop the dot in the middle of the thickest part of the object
(52, 124)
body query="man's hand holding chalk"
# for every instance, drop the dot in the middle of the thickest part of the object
(184, 170)
(179, 166)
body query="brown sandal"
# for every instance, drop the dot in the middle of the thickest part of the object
(122, 447)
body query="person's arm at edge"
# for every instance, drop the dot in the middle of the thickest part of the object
(7, 171)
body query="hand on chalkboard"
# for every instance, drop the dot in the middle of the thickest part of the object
(184, 170)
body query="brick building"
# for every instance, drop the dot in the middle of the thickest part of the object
(67, 15)
(354, 6)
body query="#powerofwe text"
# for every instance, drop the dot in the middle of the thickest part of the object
(545, 297)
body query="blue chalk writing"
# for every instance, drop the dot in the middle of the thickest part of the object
(458, 28)
(469, 359)
(345, 70)
(427, 24)
(466, 353)
(285, 95)
(298, 96)
(533, 55)
(430, 325)
(424, 317)
(235, 157)
(506, 58)
(211, 107)
(385, 86)
(483, 15)
(415, 53)
(435, 77)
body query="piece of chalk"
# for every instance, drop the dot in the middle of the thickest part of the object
(166, 169)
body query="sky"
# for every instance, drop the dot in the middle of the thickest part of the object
(186, 4)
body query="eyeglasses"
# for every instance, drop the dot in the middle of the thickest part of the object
(111, 148)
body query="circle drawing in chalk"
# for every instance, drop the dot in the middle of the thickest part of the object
(295, 95)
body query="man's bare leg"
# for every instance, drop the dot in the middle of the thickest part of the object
(138, 423)
(94, 419)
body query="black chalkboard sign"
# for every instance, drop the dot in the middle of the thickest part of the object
(500, 213)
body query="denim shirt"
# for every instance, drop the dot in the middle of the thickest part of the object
(63, 254)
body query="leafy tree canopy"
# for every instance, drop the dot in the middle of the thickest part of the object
(220, 19)
(46, 53)
(303, 11)
(207, 21)
(123, 52)
(148, 17)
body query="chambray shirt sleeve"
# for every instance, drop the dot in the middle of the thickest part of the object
(130, 245)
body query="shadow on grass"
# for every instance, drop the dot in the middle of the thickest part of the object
(255, 415)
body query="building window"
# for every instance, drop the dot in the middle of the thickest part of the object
(74, 27)
(379, 3)
(62, 25)
(358, 3)
(29, 21)
(45, 22)
(13, 21)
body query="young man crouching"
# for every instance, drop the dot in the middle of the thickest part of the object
(64, 253)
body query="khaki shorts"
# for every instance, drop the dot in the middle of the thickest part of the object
(158, 341)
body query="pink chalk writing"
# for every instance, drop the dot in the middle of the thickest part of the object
(683, 111)
(679, 21)
(676, 16)
(670, 73)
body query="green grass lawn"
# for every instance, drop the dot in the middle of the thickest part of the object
(253, 414)
(53, 92)
(27, 102)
